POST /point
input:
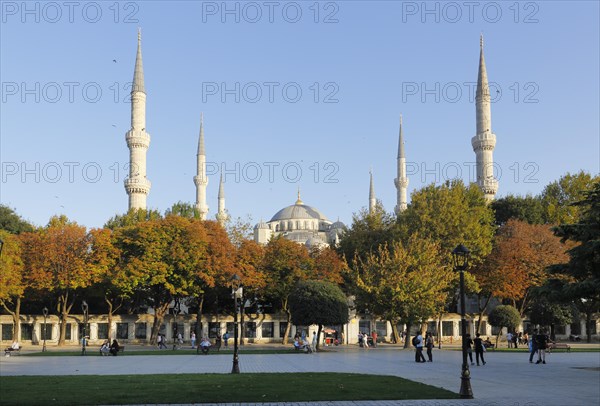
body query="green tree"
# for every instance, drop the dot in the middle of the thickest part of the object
(131, 218)
(159, 259)
(405, 282)
(546, 313)
(318, 302)
(451, 214)
(285, 263)
(578, 280)
(504, 316)
(11, 222)
(558, 197)
(525, 208)
(367, 233)
(183, 209)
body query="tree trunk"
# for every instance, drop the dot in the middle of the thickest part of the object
(588, 326)
(407, 339)
(198, 332)
(16, 315)
(395, 335)
(63, 310)
(110, 318)
(482, 311)
(552, 333)
(284, 340)
(439, 334)
(159, 316)
(242, 329)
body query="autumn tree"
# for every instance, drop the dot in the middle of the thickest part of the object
(318, 302)
(519, 261)
(285, 263)
(13, 281)
(402, 281)
(504, 316)
(56, 258)
(103, 258)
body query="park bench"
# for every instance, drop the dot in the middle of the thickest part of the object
(10, 351)
(557, 346)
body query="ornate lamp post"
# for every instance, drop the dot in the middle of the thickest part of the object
(84, 307)
(236, 292)
(460, 255)
(45, 312)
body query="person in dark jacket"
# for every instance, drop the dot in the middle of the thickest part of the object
(479, 349)
(542, 340)
(533, 346)
(468, 346)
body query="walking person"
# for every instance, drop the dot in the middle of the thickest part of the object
(429, 346)
(418, 343)
(533, 348)
(193, 339)
(314, 341)
(509, 339)
(468, 346)
(479, 349)
(226, 338)
(542, 343)
(374, 337)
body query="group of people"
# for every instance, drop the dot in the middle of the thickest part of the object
(108, 348)
(364, 340)
(538, 343)
(419, 342)
(514, 339)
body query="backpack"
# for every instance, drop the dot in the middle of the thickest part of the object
(415, 341)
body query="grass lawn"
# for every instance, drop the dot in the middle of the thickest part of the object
(210, 388)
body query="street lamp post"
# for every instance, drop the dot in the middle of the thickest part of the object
(84, 307)
(236, 292)
(45, 312)
(460, 255)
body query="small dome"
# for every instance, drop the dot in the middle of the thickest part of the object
(339, 225)
(261, 226)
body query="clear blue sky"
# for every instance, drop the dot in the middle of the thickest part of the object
(373, 60)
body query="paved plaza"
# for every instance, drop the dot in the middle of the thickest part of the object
(507, 379)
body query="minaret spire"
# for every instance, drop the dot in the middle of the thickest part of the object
(137, 184)
(401, 181)
(372, 198)
(222, 213)
(201, 180)
(484, 141)
(299, 201)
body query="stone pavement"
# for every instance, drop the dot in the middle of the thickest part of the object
(507, 379)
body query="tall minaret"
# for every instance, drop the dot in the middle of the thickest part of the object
(137, 185)
(401, 181)
(485, 140)
(201, 180)
(222, 214)
(372, 198)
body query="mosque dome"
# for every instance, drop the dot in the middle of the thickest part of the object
(298, 211)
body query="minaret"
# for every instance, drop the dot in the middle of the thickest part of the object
(222, 214)
(201, 180)
(484, 142)
(401, 181)
(137, 185)
(372, 199)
